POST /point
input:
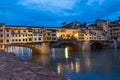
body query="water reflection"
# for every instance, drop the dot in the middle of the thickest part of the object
(77, 65)
(58, 68)
(20, 52)
(82, 65)
(66, 53)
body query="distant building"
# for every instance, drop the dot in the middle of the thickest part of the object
(114, 29)
(104, 24)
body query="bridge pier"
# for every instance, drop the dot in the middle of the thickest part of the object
(45, 48)
(86, 45)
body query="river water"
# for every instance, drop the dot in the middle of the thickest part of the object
(76, 65)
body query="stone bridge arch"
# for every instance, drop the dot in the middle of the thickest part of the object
(98, 45)
(70, 44)
(37, 48)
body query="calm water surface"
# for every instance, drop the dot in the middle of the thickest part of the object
(82, 65)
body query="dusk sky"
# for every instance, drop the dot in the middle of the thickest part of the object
(55, 12)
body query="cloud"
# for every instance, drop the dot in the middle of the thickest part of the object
(54, 12)
(54, 6)
(98, 2)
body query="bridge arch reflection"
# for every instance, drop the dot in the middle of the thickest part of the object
(20, 52)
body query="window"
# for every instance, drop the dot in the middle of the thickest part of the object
(1, 35)
(24, 31)
(23, 40)
(53, 38)
(7, 30)
(1, 30)
(18, 31)
(53, 34)
(7, 35)
(40, 35)
(49, 38)
(12, 31)
(19, 35)
(16, 40)
(48, 34)
(12, 35)
(12, 40)
(7, 40)
(19, 39)
(30, 39)
(39, 38)
(35, 39)
(1, 41)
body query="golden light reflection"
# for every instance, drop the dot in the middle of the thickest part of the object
(72, 66)
(66, 53)
(87, 63)
(77, 65)
(58, 68)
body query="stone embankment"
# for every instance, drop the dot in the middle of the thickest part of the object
(12, 68)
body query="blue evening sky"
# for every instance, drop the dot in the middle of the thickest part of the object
(54, 12)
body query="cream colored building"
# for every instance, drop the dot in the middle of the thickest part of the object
(25, 34)
(104, 24)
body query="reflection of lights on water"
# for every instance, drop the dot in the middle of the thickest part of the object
(88, 63)
(66, 53)
(53, 52)
(72, 66)
(58, 68)
(77, 65)
(21, 52)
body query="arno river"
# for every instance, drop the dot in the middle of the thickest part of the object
(82, 65)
